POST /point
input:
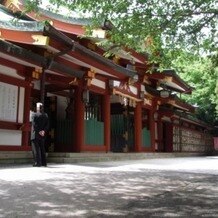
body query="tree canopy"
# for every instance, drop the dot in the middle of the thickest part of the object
(202, 75)
(182, 34)
(154, 26)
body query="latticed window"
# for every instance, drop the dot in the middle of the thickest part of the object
(93, 109)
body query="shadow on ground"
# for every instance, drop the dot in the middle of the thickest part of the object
(93, 193)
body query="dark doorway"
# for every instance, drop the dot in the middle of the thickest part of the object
(167, 139)
(122, 128)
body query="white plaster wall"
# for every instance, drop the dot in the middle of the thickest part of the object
(10, 137)
(9, 72)
(8, 102)
(21, 105)
(98, 83)
(133, 89)
(36, 84)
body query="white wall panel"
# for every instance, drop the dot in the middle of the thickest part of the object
(10, 137)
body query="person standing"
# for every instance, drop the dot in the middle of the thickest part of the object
(32, 136)
(40, 128)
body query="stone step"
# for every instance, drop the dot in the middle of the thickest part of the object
(96, 157)
(15, 154)
(22, 157)
(16, 161)
(110, 154)
(15, 157)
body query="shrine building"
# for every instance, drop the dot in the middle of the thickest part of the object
(94, 103)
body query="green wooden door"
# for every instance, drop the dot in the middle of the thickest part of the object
(146, 138)
(94, 132)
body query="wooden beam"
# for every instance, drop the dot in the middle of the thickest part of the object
(27, 37)
(51, 88)
(21, 55)
(10, 125)
(14, 81)
(72, 64)
(58, 79)
(62, 93)
(84, 56)
(18, 67)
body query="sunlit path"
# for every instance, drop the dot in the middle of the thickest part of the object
(184, 187)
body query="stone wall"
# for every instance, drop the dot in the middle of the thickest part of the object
(189, 140)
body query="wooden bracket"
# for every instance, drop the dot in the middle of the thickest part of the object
(89, 76)
(74, 82)
(36, 73)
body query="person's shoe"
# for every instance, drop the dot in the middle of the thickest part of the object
(44, 165)
(36, 165)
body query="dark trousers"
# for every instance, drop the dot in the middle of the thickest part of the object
(33, 151)
(38, 146)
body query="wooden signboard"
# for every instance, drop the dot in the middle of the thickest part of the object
(8, 102)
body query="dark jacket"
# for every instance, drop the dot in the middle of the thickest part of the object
(40, 122)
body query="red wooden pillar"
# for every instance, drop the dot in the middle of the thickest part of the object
(159, 133)
(79, 118)
(152, 128)
(138, 126)
(26, 115)
(107, 122)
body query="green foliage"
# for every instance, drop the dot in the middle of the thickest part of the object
(202, 75)
(152, 26)
(31, 5)
(171, 24)
(175, 33)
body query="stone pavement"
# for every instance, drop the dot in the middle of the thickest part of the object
(169, 187)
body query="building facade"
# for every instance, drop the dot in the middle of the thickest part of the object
(94, 103)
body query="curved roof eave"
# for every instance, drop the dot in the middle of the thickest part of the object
(170, 79)
(10, 21)
(56, 34)
(22, 26)
(179, 103)
(51, 31)
(65, 19)
(82, 22)
(185, 116)
(39, 38)
(71, 25)
(178, 79)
